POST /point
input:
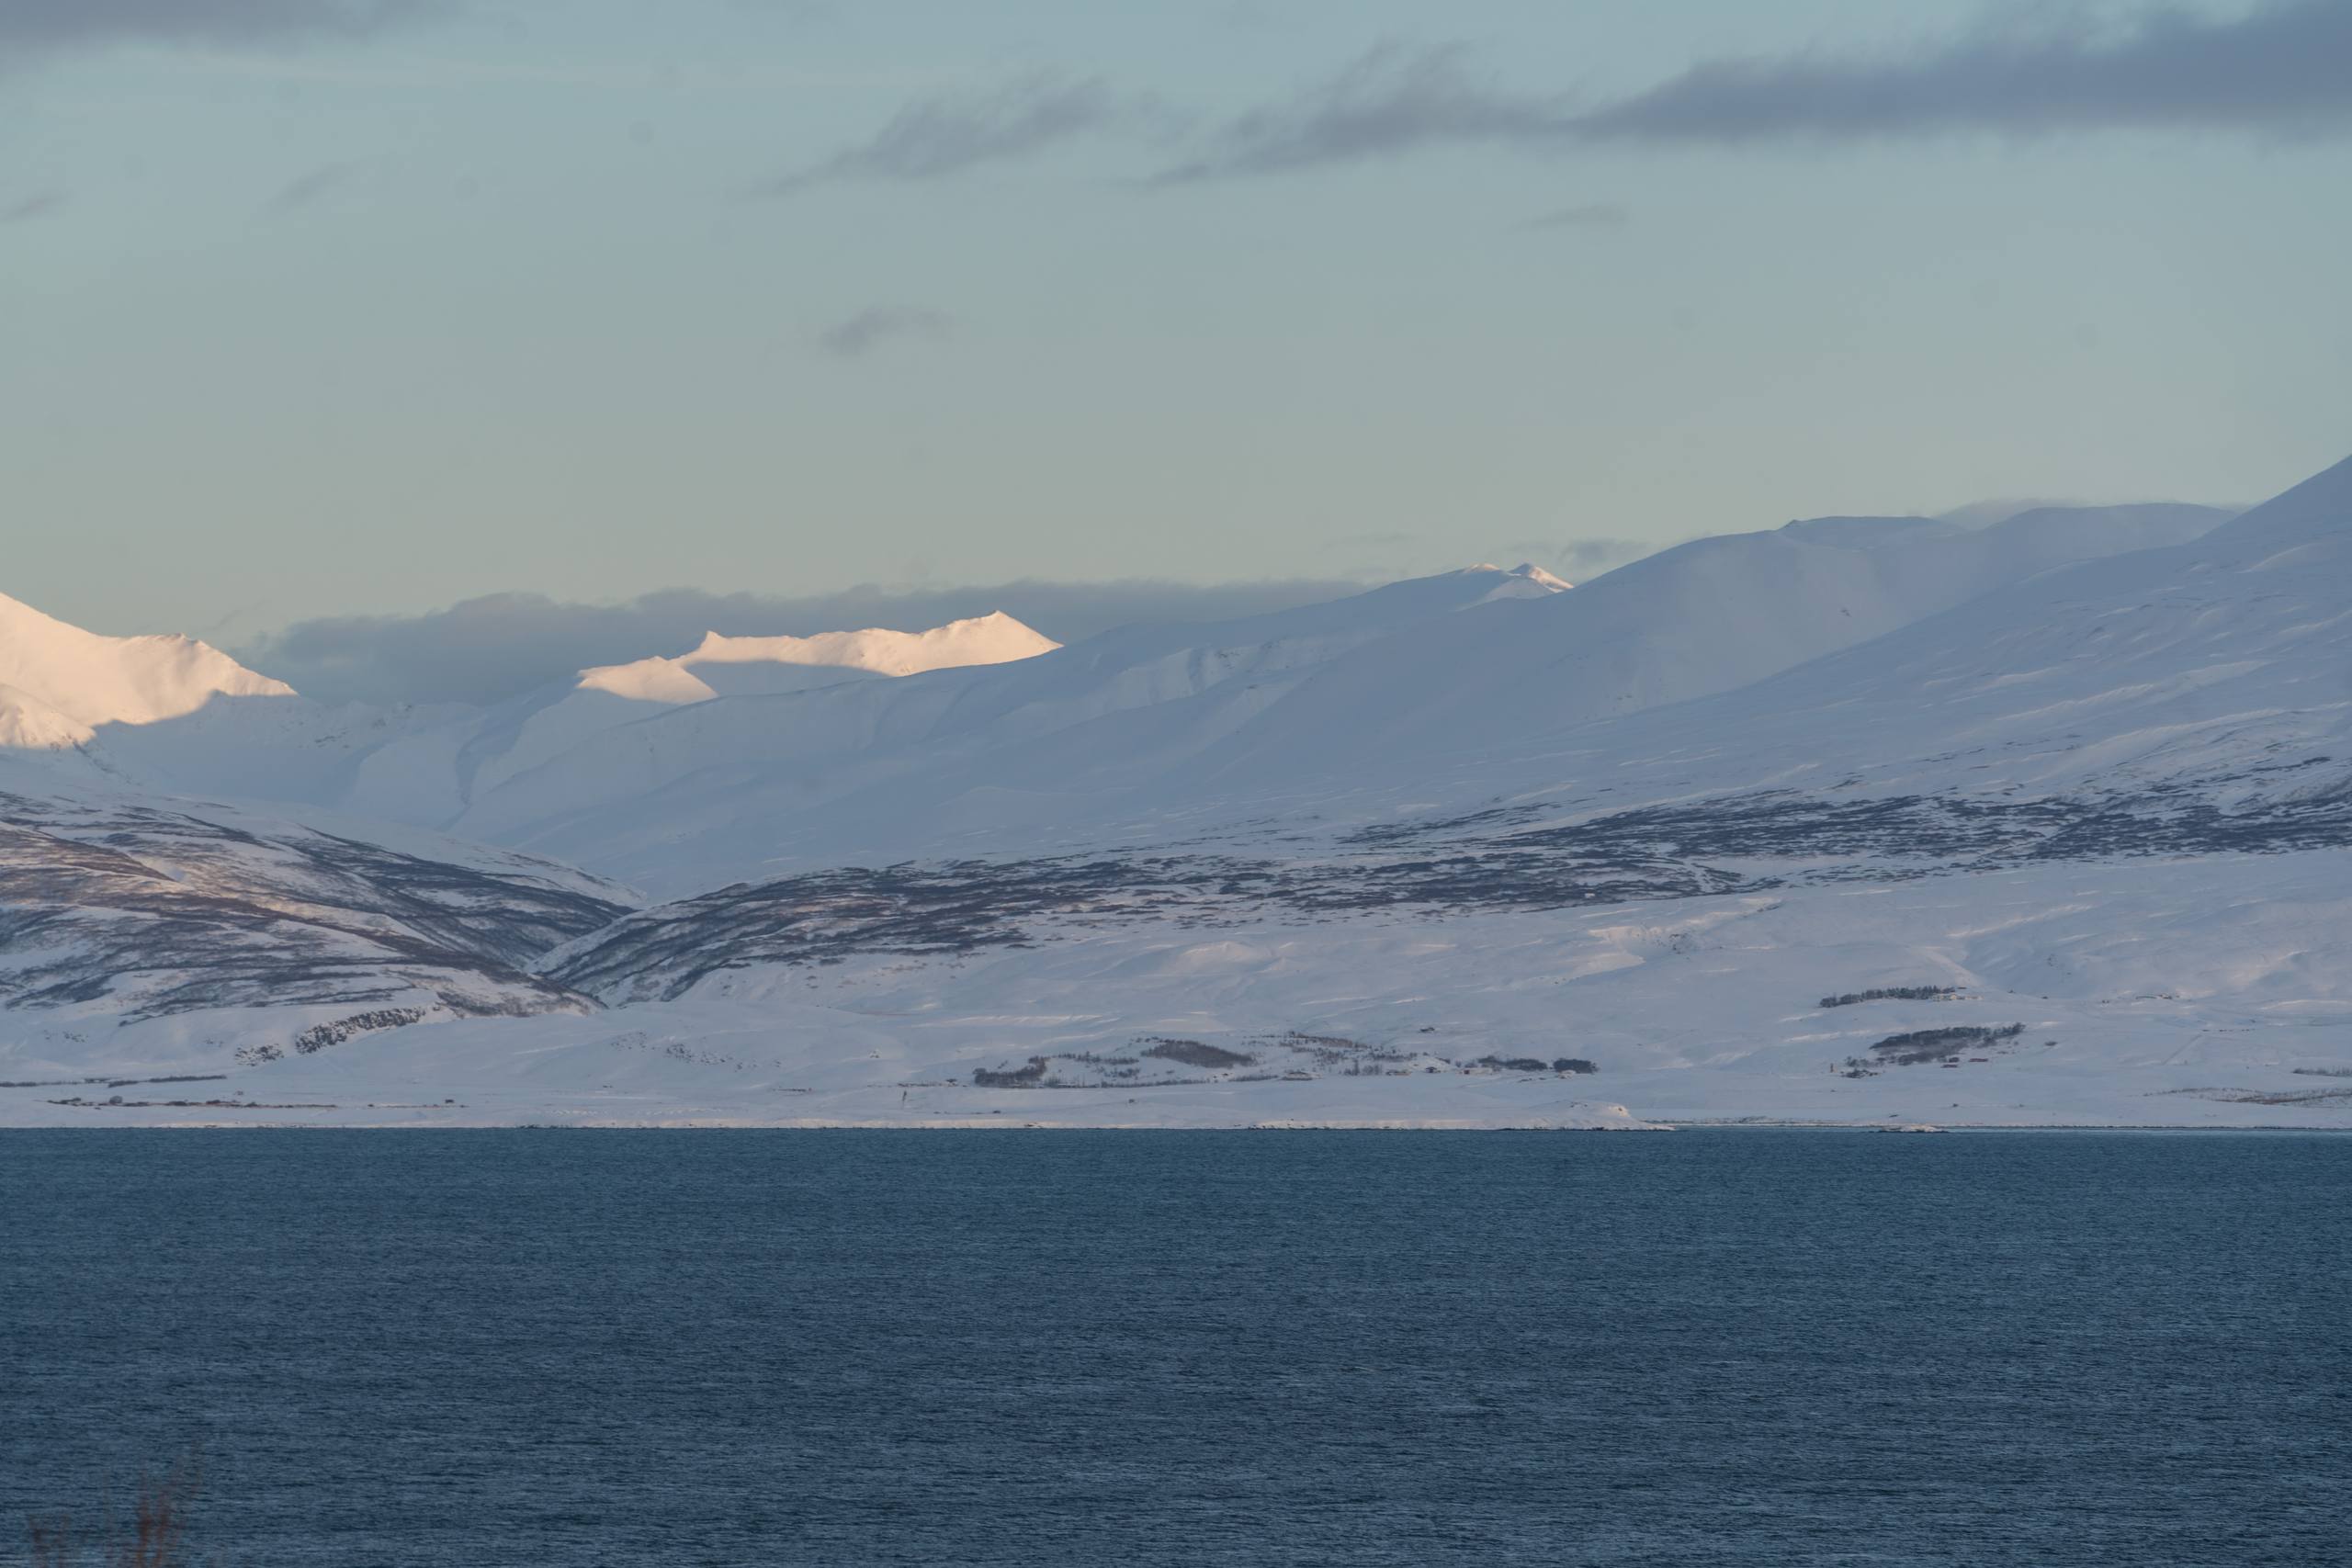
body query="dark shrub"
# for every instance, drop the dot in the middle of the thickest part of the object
(1934, 1044)
(1015, 1078)
(319, 1036)
(1197, 1053)
(1894, 994)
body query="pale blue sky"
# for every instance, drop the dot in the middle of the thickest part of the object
(537, 294)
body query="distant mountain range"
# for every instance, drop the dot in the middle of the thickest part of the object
(2072, 789)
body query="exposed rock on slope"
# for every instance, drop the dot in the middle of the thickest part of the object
(121, 907)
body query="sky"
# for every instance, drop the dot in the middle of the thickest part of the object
(338, 312)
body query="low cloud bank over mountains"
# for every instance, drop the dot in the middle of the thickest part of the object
(485, 649)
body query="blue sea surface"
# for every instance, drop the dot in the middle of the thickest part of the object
(1136, 1349)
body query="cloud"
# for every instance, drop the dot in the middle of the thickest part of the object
(1591, 215)
(934, 138)
(2282, 67)
(1597, 555)
(1579, 558)
(48, 204)
(1393, 100)
(486, 649)
(856, 335)
(49, 25)
(307, 189)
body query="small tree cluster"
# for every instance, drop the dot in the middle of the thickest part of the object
(1197, 1053)
(1010, 1077)
(1932, 1044)
(319, 1036)
(1894, 994)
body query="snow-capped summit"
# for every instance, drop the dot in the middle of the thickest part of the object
(431, 777)
(86, 679)
(1538, 576)
(1525, 580)
(994, 638)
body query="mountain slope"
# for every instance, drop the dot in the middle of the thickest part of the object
(1712, 615)
(94, 680)
(2066, 837)
(118, 907)
(28, 724)
(1168, 731)
(2224, 663)
(177, 717)
(2074, 849)
(703, 793)
(541, 728)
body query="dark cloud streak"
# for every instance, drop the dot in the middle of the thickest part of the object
(1390, 101)
(309, 188)
(2282, 68)
(860, 335)
(934, 138)
(1592, 215)
(48, 204)
(43, 26)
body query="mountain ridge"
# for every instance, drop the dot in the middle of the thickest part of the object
(1381, 859)
(95, 680)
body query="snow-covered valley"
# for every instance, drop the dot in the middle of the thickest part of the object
(1479, 850)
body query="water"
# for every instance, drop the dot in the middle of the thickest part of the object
(489, 1348)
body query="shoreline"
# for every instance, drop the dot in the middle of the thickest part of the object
(719, 1125)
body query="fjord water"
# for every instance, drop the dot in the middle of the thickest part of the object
(1751, 1347)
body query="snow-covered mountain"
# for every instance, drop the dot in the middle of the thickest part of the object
(742, 665)
(247, 737)
(2221, 664)
(1161, 730)
(708, 792)
(90, 679)
(60, 684)
(169, 713)
(230, 931)
(1858, 819)
(435, 774)
(28, 724)
(1708, 616)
